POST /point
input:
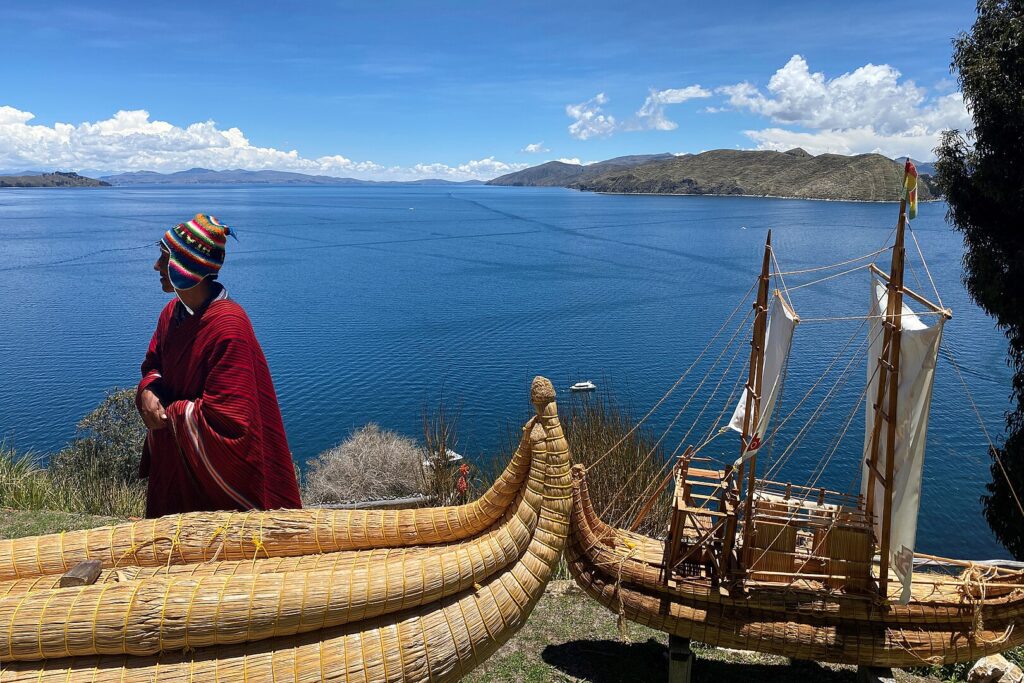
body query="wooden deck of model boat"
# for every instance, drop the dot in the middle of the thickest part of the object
(410, 595)
(947, 620)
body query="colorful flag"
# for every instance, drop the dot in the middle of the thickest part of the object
(910, 189)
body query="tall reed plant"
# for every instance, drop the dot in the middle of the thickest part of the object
(624, 464)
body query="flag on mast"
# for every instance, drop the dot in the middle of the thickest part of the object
(910, 188)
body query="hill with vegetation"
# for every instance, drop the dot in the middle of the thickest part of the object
(57, 179)
(561, 174)
(864, 177)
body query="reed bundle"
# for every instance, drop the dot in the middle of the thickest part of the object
(411, 612)
(625, 572)
(205, 536)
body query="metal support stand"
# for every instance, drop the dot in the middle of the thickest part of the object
(875, 674)
(680, 660)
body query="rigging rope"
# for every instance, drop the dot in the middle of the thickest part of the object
(817, 412)
(834, 275)
(814, 386)
(779, 274)
(707, 374)
(834, 265)
(992, 449)
(679, 381)
(925, 264)
(668, 461)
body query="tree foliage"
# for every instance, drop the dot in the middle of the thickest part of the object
(981, 172)
(108, 440)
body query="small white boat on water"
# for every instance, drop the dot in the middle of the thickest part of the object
(583, 386)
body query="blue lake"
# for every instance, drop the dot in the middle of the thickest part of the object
(371, 302)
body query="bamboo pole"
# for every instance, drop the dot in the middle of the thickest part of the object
(896, 330)
(755, 379)
(946, 313)
(657, 492)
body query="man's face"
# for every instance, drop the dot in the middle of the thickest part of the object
(161, 266)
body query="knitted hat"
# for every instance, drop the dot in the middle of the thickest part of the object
(196, 249)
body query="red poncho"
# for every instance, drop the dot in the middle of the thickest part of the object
(225, 446)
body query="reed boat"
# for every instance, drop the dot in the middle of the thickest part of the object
(289, 595)
(753, 562)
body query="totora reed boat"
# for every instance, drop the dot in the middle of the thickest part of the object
(792, 568)
(410, 595)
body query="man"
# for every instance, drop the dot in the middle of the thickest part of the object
(215, 440)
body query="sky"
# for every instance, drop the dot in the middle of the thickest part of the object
(465, 90)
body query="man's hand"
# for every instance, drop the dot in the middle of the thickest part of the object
(152, 411)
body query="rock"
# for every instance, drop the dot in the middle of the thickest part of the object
(995, 669)
(875, 674)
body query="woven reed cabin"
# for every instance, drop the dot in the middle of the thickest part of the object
(333, 595)
(792, 568)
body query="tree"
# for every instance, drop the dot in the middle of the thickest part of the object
(981, 172)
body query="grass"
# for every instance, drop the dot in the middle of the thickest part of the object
(18, 523)
(569, 637)
(87, 490)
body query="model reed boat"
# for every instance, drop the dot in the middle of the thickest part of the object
(795, 569)
(410, 595)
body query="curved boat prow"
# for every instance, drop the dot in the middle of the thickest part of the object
(412, 595)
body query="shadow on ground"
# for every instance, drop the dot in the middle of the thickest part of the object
(610, 661)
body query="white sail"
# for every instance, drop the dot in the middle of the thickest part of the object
(919, 349)
(781, 323)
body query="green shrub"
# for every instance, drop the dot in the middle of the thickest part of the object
(96, 473)
(108, 443)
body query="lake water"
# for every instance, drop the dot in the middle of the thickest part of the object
(372, 302)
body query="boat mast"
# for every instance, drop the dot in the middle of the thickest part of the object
(752, 415)
(885, 404)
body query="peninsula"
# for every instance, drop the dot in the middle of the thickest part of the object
(864, 177)
(57, 179)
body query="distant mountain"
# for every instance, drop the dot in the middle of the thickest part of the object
(561, 174)
(205, 176)
(57, 179)
(923, 167)
(868, 177)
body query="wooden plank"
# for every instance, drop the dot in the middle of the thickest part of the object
(683, 462)
(945, 312)
(84, 573)
(680, 660)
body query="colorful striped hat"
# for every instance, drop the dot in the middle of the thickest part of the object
(196, 249)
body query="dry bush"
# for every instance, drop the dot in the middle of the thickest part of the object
(371, 464)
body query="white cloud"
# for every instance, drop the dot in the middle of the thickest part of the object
(480, 169)
(575, 161)
(589, 121)
(592, 122)
(131, 141)
(651, 116)
(535, 147)
(866, 110)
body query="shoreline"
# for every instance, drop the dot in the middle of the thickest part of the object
(748, 196)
